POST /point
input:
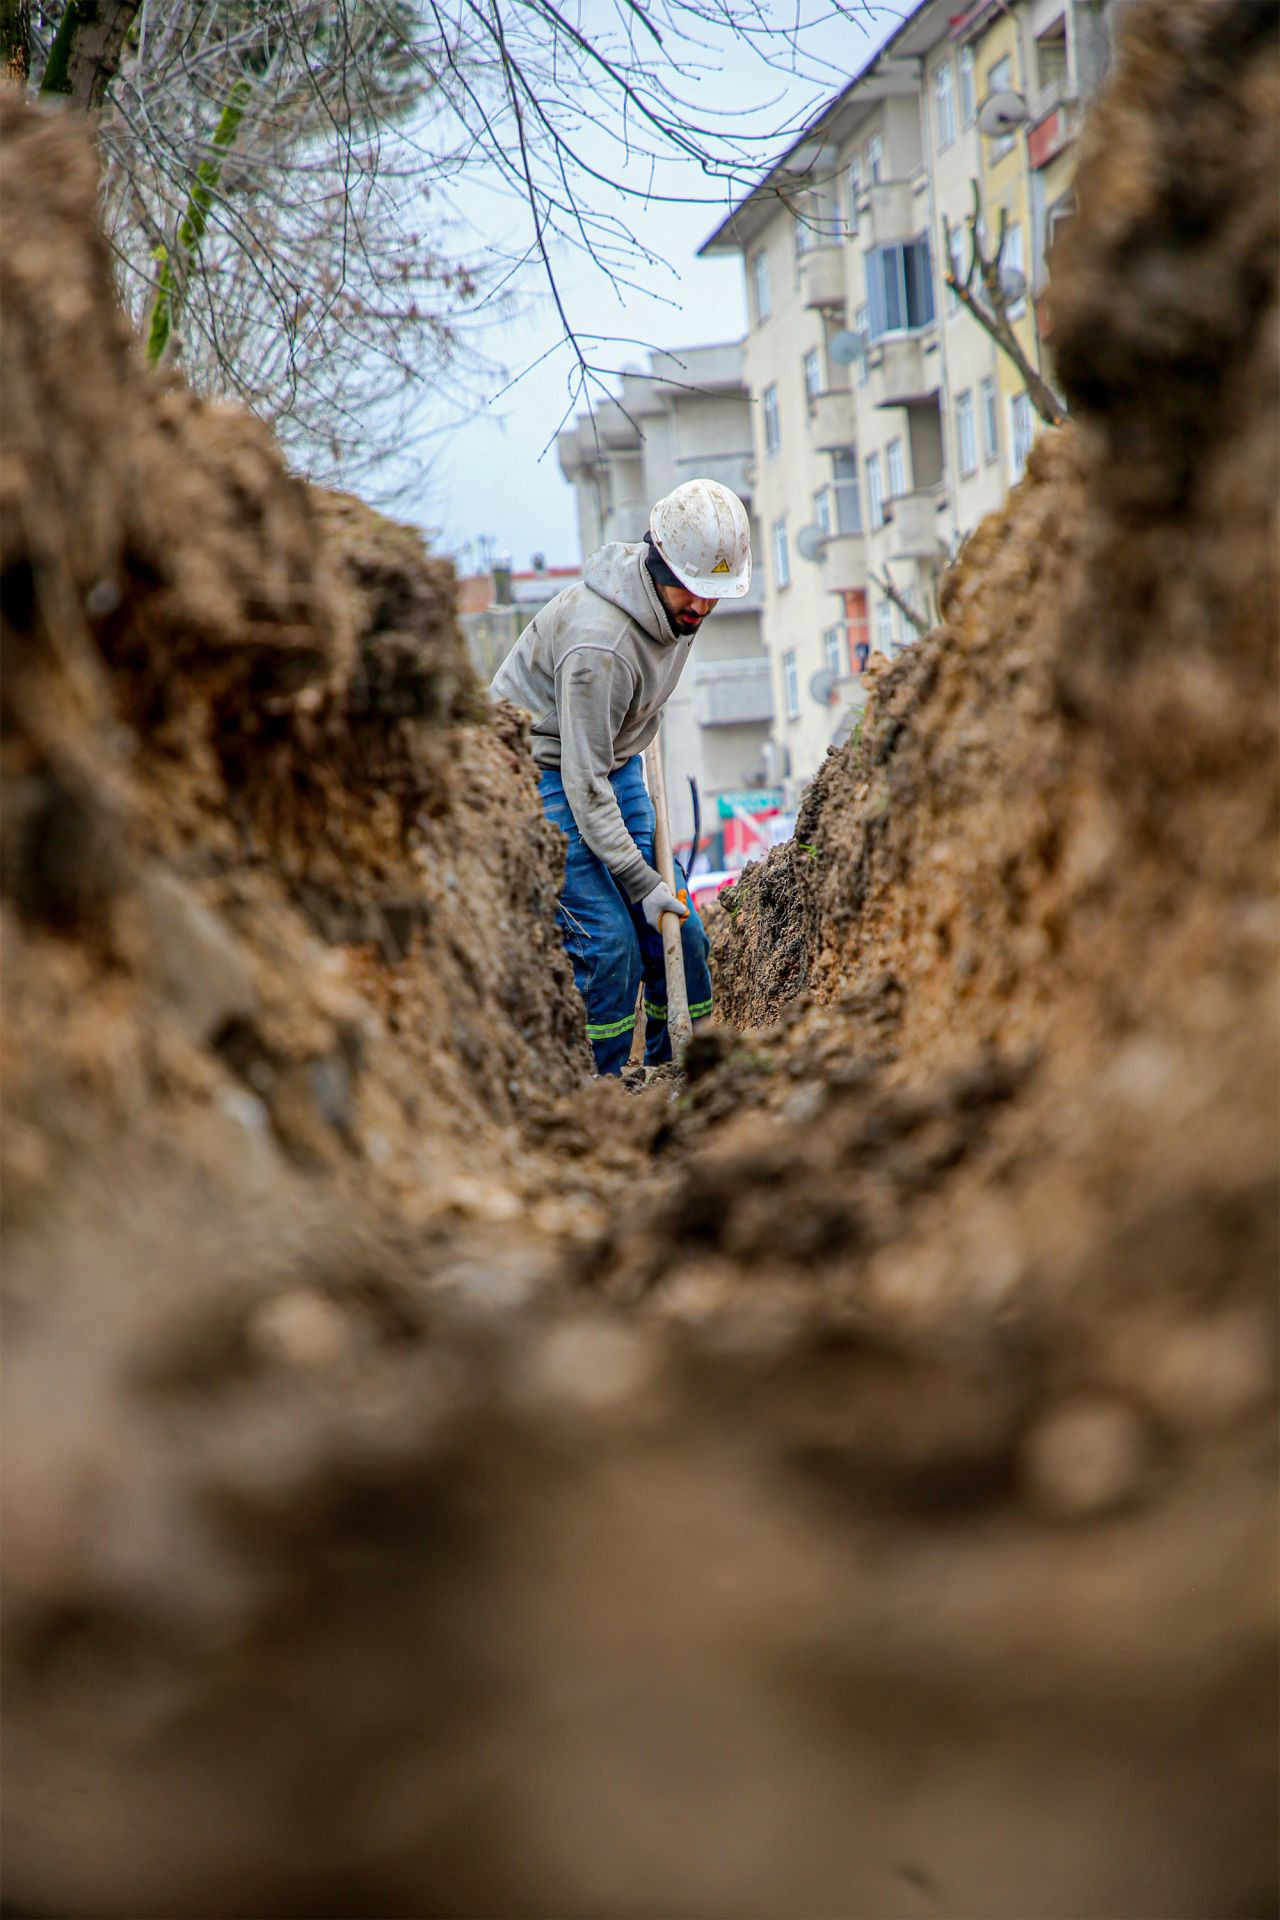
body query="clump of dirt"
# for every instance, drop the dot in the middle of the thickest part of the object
(841, 1484)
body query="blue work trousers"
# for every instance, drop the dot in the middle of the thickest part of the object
(611, 944)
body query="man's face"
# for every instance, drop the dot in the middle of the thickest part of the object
(687, 610)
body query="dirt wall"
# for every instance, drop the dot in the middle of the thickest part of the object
(276, 885)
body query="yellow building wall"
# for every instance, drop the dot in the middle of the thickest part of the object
(1005, 186)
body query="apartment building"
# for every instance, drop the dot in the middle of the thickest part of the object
(887, 423)
(494, 608)
(686, 416)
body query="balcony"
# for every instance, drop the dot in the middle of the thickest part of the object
(1056, 125)
(886, 214)
(626, 521)
(733, 470)
(733, 693)
(833, 420)
(901, 371)
(913, 523)
(844, 561)
(822, 277)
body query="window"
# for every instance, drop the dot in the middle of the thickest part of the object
(944, 102)
(1051, 59)
(1014, 261)
(896, 468)
(791, 685)
(968, 87)
(781, 555)
(1060, 214)
(862, 325)
(822, 510)
(1023, 420)
(1000, 80)
(990, 418)
(844, 467)
(833, 652)
(760, 286)
(875, 157)
(899, 288)
(812, 375)
(884, 627)
(875, 491)
(855, 188)
(802, 233)
(772, 424)
(966, 436)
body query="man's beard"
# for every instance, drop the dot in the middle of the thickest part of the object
(689, 622)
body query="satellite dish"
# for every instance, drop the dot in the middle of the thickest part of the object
(1013, 284)
(809, 542)
(846, 346)
(1002, 112)
(822, 687)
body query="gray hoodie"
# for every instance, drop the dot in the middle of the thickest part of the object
(595, 669)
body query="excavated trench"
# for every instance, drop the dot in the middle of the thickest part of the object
(839, 1484)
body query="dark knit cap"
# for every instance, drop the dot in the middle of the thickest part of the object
(659, 572)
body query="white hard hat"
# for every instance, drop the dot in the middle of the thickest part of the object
(701, 531)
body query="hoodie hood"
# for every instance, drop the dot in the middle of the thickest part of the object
(617, 572)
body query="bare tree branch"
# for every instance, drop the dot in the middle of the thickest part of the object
(989, 304)
(899, 599)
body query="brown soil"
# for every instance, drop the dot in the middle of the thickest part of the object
(840, 1484)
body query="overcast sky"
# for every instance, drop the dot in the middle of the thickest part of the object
(496, 475)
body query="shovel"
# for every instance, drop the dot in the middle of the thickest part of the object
(679, 1025)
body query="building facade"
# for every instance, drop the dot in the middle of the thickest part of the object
(494, 608)
(687, 417)
(886, 421)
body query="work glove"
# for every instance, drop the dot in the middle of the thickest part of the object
(660, 900)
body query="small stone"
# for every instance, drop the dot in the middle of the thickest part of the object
(1142, 1074)
(592, 1365)
(205, 975)
(804, 1106)
(1210, 1373)
(1086, 1458)
(300, 1329)
(330, 1084)
(246, 1110)
(102, 598)
(481, 1200)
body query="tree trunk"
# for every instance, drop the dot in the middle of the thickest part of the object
(85, 55)
(15, 41)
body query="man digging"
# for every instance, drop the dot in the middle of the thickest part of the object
(595, 669)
